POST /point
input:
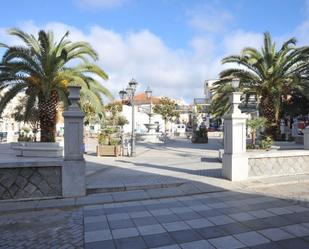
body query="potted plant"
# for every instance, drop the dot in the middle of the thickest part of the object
(200, 135)
(109, 144)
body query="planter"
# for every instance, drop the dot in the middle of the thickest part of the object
(199, 140)
(37, 149)
(108, 150)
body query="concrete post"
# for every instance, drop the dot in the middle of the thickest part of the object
(235, 160)
(73, 170)
(306, 138)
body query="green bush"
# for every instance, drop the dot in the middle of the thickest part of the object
(266, 143)
(251, 147)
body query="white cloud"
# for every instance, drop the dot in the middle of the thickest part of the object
(209, 18)
(100, 4)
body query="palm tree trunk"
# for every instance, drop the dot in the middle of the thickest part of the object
(268, 111)
(48, 116)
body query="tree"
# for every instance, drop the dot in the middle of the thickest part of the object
(43, 68)
(255, 124)
(167, 109)
(269, 74)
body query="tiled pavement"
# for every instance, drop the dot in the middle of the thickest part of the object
(223, 220)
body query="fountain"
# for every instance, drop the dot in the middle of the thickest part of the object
(152, 136)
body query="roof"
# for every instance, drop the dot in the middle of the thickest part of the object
(141, 99)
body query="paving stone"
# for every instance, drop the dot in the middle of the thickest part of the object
(200, 244)
(297, 230)
(158, 240)
(234, 228)
(271, 245)
(200, 208)
(118, 224)
(185, 236)
(108, 244)
(125, 233)
(209, 213)
(151, 229)
(294, 243)
(98, 235)
(179, 210)
(168, 218)
(261, 213)
(220, 219)
(144, 221)
(131, 243)
(175, 246)
(189, 216)
(90, 219)
(297, 209)
(279, 210)
(211, 232)
(276, 234)
(199, 223)
(251, 238)
(94, 226)
(227, 242)
(176, 226)
(242, 216)
(140, 214)
(161, 212)
(119, 216)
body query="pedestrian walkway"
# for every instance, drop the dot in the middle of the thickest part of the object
(224, 220)
(176, 162)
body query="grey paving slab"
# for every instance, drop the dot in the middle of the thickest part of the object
(151, 229)
(139, 214)
(98, 235)
(199, 223)
(118, 216)
(280, 210)
(200, 244)
(221, 220)
(118, 224)
(100, 244)
(125, 233)
(261, 213)
(159, 240)
(251, 238)
(168, 247)
(168, 218)
(144, 221)
(226, 242)
(185, 236)
(99, 218)
(243, 216)
(131, 243)
(293, 243)
(161, 212)
(94, 226)
(297, 230)
(176, 226)
(276, 234)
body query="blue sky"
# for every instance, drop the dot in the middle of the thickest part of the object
(171, 45)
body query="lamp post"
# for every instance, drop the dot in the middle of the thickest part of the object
(129, 94)
(148, 93)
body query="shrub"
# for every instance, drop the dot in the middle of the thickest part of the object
(266, 143)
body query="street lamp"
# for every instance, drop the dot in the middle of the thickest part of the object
(129, 94)
(148, 93)
(235, 97)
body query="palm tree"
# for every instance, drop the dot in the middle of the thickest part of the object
(43, 68)
(269, 74)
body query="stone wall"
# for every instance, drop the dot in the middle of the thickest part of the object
(30, 182)
(274, 165)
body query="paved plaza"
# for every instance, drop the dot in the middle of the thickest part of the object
(169, 196)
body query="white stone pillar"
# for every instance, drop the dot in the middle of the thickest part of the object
(235, 159)
(306, 138)
(73, 170)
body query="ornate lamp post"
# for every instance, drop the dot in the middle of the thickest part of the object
(148, 93)
(129, 94)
